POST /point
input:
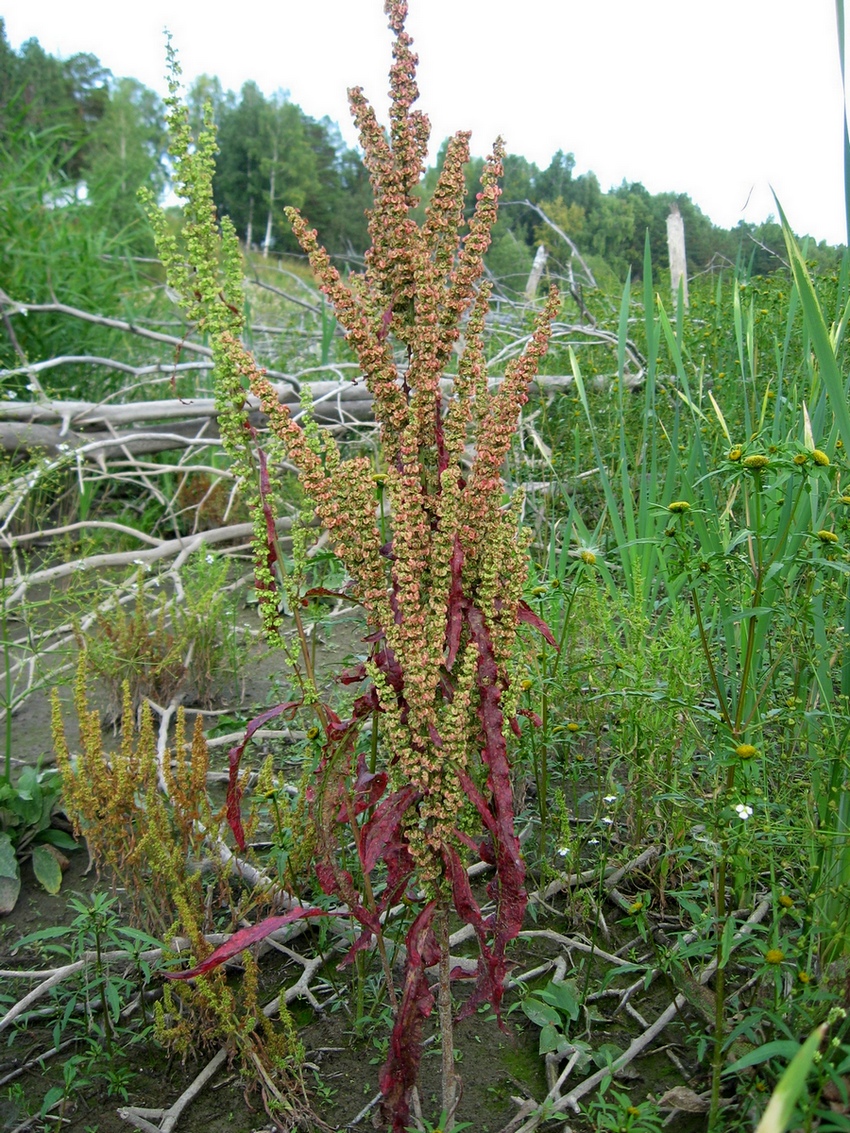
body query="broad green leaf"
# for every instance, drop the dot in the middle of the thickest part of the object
(8, 861)
(780, 1108)
(47, 869)
(780, 1048)
(52, 1098)
(10, 875)
(59, 838)
(550, 1039)
(540, 1013)
(562, 996)
(607, 1054)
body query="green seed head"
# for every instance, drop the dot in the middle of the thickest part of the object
(756, 462)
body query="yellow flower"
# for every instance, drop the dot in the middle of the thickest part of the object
(774, 956)
(786, 902)
(312, 733)
(587, 556)
(845, 499)
(827, 537)
(820, 458)
(745, 751)
(572, 726)
(526, 684)
(678, 506)
(756, 462)
(801, 458)
(735, 453)
(635, 906)
(803, 977)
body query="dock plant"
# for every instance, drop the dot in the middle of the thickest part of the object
(440, 581)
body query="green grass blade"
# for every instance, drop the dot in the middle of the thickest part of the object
(818, 333)
(839, 15)
(780, 1109)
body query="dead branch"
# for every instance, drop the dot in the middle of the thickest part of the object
(554, 1104)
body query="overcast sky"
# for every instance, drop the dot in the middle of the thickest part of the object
(720, 99)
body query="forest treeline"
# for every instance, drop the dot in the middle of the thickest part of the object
(72, 134)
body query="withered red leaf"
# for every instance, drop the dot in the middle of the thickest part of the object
(243, 939)
(234, 757)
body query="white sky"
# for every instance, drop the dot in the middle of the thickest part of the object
(720, 99)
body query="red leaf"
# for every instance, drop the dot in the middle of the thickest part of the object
(368, 788)
(234, 756)
(507, 888)
(378, 831)
(243, 939)
(399, 1073)
(526, 614)
(354, 675)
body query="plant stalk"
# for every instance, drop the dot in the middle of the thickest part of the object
(451, 1095)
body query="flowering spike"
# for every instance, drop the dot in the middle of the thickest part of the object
(443, 592)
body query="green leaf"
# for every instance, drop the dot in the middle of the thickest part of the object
(139, 937)
(562, 996)
(607, 1053)
(780, 1108)
(10, 875)
(779, 1048)
(727, 941)
(46, 868)
(59, 838)
(540, 1013)
(8, 861)
(52, 1098)
(816, 326)
(41, 934)
(112, 999)
(551, 1039)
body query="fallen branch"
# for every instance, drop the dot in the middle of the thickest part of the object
(553, 1104)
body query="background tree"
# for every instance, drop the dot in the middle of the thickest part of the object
(126, 151)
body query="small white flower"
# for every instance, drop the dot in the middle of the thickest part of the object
(609, 799)
(608, 821)
(562, 851)
(138, 562)
(593, 841)
(743, 811)
(11, 394)
(62, 447)
(210, 558)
